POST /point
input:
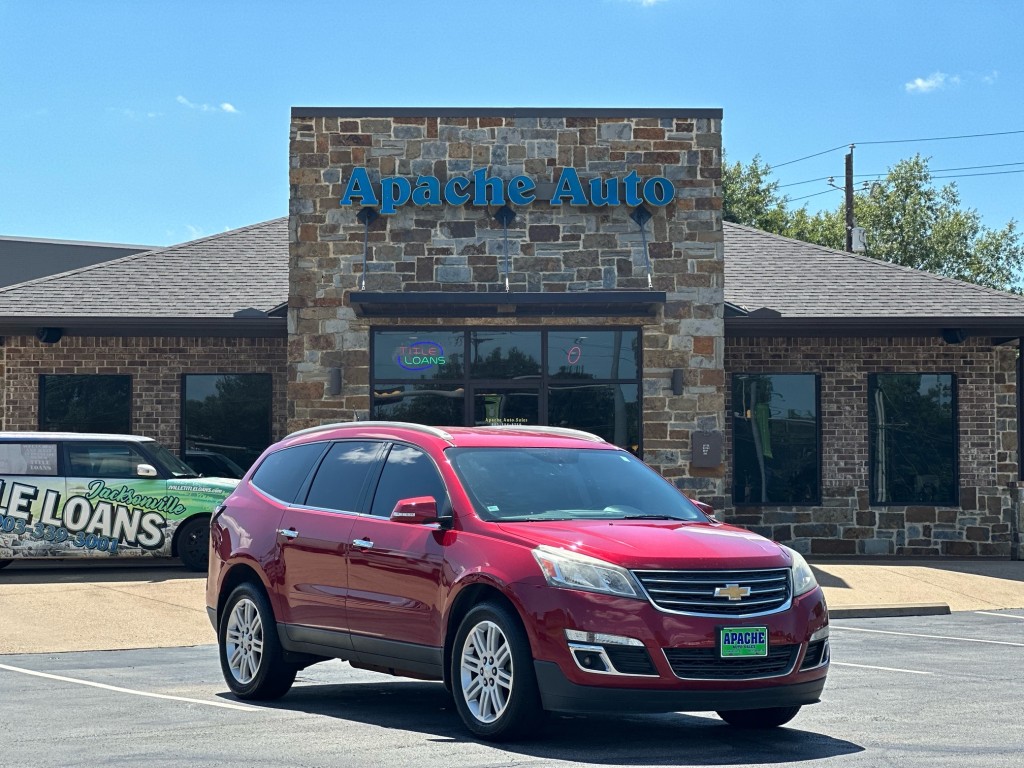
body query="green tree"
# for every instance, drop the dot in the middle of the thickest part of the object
(906, 218)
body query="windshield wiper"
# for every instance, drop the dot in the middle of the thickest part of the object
(650, 517)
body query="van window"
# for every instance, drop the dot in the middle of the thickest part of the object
(106, 460)
(28, 459)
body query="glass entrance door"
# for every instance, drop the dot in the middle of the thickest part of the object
(505, 405)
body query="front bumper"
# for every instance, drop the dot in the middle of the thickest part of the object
(560, 695)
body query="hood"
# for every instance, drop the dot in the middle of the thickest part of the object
(655, 544)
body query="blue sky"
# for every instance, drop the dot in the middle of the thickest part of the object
(157, 122)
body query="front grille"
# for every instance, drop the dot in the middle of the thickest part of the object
(707, 664)
(630, 659)
(694, 591)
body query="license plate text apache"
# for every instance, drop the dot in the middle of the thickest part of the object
(739, 642)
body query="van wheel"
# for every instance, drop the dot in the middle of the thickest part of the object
(771, 717)
(251, 656)
(193, 542)
(493, 681)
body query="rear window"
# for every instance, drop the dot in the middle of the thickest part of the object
(28, 459)
(282, 473)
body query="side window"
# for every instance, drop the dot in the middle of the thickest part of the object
(408, 472)
(339, 482)
(28, 459)
(106, 460)
(282, 473)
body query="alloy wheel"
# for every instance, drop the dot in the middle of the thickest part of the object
(243, 642)
(486, 671)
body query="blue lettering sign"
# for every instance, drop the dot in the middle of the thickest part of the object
(569, 185)
(359, 186)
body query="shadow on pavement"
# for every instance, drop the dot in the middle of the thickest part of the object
(826, 579)
(101, 570)
(664, 739)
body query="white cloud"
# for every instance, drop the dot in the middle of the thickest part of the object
(645, 3)
(222, 107)
(194, 233)
(991, 77)
(134, 114)
(935, 81)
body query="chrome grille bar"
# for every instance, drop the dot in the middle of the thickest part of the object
(693, 592)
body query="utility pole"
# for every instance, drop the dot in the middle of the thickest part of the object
(849, 201)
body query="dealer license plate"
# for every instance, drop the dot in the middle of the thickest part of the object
(742, 642)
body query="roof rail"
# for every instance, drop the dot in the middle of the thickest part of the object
(562, 431)
(435, 431)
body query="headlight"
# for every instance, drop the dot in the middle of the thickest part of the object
(803, 576)
(570, 570)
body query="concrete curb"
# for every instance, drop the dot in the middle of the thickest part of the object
(888, 611)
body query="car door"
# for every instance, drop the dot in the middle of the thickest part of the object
(109, 501)
(395, 569)
(314, 537)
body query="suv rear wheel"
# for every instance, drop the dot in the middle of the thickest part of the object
(251, 656)
(492, 675)
(771, 717)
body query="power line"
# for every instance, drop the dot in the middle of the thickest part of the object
(936, 170)
(794, 199)
(900, 141)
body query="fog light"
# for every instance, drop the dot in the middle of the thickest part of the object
(600, 638)
(590, 660)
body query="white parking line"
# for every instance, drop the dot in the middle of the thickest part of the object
(223, 704)
(931, 637)
(1001, 615)
(884, 669)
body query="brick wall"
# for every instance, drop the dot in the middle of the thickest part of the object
(846, 523)
(554, 249)
(155, 365)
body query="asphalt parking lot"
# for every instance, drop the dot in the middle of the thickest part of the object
(920, 691)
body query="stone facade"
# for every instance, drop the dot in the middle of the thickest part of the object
(156, 365)
(846, 523)
(553, 249)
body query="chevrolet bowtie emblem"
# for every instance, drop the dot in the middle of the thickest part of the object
(732, 591)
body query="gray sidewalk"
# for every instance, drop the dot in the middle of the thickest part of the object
(105, 607)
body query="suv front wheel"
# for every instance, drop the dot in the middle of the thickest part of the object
(251, 656)
(493, 681)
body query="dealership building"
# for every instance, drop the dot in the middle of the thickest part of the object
(552, 267)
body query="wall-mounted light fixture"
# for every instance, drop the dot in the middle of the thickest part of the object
(366, 217)
(505, 216)
(677, 381)
(334, 381)
(954, 335)
(641, 216)
(49, 335)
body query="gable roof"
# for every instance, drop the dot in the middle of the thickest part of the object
(202, 286)
(28, 258)
(791, 287)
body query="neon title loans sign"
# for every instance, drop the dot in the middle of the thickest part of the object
(481, 189)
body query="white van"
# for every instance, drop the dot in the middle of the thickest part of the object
(70, 495)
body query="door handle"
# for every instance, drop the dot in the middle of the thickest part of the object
(362, 543)
(288, 533)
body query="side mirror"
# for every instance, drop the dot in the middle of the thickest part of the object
(146, 470)
(417, 510)
(704, 507)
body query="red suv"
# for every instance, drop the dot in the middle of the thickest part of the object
(531, 569)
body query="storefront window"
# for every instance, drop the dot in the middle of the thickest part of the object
(581, 378)
(418, 356)
(226, 420)
(776, 455)
(504, 354)
(912, 438)
(428, 404)
(594, 354)
(86, 403)
(611, 411)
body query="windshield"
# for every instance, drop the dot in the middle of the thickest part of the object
(169, 461)
(521, 484)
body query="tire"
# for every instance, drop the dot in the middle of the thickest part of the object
(251, 657)
(193, 543)
(497, 700)
(772, 717)
(5, 563)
